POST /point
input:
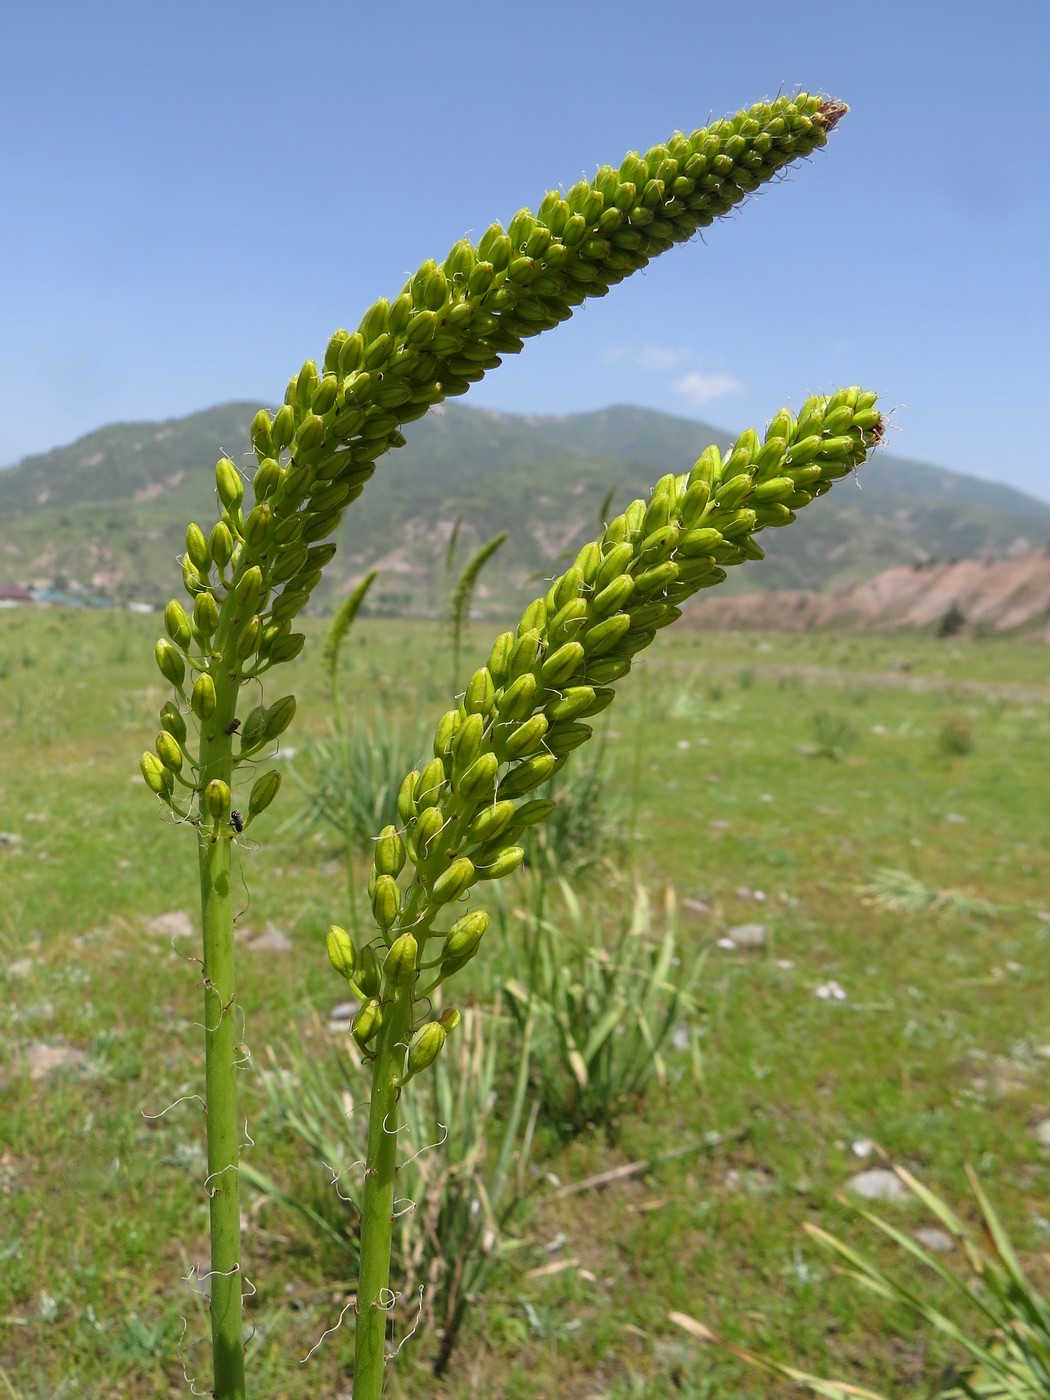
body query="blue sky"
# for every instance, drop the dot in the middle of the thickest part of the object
(195, 196)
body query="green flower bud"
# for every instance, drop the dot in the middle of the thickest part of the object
(264, 790)
(197, 548)
(478, 783)
(782, 426)
(526, 653)
(528, 775)
(400, 965)
(220, 542)
(635, 642)
(803, 452)
(158, 778)
(254, 728)
(611, 599)
(261, 435)
(533, 812)
(319, 527)
(305, 382)
(577, 700)
(427, 826)
(279, 716)
(490, 823)
(480, 694)
(505, 862)
(563, 738)
(249, 588)
(703, 540)
(248, 641)
(386, 901)
(656, 579)
(258, 524)
(524, 740)
(453, 882)
(608, 669)
(444, 736)
(519, 699)
(775, 489)
(171, 665)
(367, 976)
(463, 941)
(694, 502)
(367, 1022)
(837, 449)
(324, 395)
(707, 468)
(171, 719)
(389, 852)
(534, 618)
(205, 614)
(282, 429)
(466, 744)
(218, 799)
(406, 797)
(450, 1018)
(287, 531)
(567, 622)
(267, 479)
(811, 417)
(228, 483)
(499, 657)
(202, 697)
(562, 591)
(177, 625)
(192, 580)
(423, 1049)
(732, 493)
(341, 952)
(658, 545)
(613, 564)
(431, 784)
(604, 636)
(288, 562)
(169, 751)
(286, 648)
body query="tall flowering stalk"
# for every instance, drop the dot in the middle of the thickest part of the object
(521, 716)
(252, 573)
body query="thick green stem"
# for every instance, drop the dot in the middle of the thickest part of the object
(221, 1054)
(373, 1289)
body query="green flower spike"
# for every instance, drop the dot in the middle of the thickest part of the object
(463, 813)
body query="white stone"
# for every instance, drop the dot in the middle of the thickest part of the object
(936, 1241)
(878, 1184)
(748, 935)
(177, 924)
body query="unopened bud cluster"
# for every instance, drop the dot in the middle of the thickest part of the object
(253, 573)
(463, 813)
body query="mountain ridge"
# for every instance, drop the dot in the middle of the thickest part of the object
(110, 509)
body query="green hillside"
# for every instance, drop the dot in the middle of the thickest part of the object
(109, 511)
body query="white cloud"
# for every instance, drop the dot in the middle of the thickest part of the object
(702, 389)
(650, 357)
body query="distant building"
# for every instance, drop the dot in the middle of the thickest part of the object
(12, 593)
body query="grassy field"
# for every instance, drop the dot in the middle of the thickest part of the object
(768, 781)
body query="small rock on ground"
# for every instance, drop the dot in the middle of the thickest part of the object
(748, 935)
(177, 924)
(272, 941)
(937, 1241)
(878, 1184)
(44, 1059)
